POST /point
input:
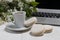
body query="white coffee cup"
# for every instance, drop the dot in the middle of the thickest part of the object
(19, 18)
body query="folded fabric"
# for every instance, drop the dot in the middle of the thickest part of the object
(48, 28)
(30, 21)
(37, 30)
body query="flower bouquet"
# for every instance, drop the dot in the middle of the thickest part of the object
(7, 7)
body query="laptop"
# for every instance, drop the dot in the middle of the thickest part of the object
(48, 12)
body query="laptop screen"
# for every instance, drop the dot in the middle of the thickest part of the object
(49, 4)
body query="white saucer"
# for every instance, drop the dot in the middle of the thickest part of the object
(12, 26)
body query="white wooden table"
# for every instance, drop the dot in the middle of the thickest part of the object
(4, 35)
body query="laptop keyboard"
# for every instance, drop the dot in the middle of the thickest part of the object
(43, 14)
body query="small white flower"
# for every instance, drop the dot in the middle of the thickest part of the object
(8, 0)
(29, 0)
(20, 4)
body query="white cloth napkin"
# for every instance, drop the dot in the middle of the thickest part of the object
(30, 21)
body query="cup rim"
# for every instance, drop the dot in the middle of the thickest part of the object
(17, 12)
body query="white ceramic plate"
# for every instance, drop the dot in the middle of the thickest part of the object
(12, 26)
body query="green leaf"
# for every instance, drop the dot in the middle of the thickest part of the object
(34, 9)
(34, 3)
(28, 12)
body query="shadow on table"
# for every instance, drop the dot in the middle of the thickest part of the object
(36, 35)
(16, 32)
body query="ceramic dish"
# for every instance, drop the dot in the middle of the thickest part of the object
(13, 27)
